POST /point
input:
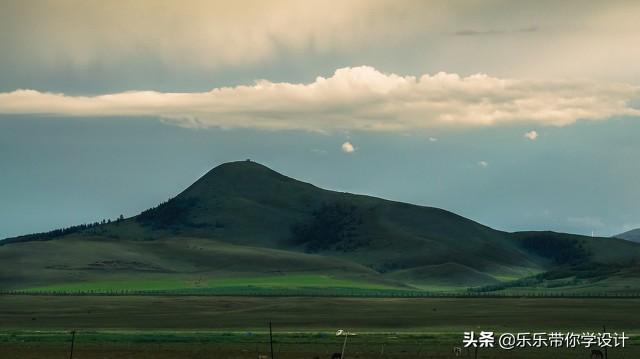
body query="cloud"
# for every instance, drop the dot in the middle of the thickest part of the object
(532, 135)
(76, 42)
(354, 98)
(433, 139)
(200, 33)
(347, 147)
(472, 32)
(483, 164)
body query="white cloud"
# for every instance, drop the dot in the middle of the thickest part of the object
(433, 139)
(483, 164)
(532, 135)
(347, 147)
(358, 98)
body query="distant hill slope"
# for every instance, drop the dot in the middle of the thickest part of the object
(243, 219)
(632, 235)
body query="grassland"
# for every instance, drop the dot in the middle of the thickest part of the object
(237, 345)
(319, 285)
(292, 282)
(314, 314)
(190, 266)
(235, 327)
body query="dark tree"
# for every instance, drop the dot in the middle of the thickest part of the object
(332, 226)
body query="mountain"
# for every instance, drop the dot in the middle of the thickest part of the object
(245, 225)
(632, 235)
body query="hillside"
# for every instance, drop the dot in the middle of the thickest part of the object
(243, 224)
(632, 235)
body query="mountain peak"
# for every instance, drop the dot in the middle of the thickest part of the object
(245, 167)
(242, 163)
(245, 170)
(244, 177)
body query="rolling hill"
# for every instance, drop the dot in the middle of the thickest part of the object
(245, 226)
(632, 235)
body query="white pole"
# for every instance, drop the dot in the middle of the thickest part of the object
(344, 345)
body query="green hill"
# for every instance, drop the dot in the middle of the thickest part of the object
(243, 225)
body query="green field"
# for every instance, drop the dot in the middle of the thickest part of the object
(313, 314)
(266, 282)
(287, 345)
(319, 285)
(235, 327)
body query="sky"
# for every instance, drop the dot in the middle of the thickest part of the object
(519, 115)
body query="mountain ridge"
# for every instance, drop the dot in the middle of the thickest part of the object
(632, 235)
(239, 213)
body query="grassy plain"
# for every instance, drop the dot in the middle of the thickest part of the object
(315, 314)
(222, 345)
(265, 282)
(235, 327)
